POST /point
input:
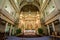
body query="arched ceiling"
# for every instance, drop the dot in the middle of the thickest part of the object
(28, 8)
(30, 1)
(29, 5)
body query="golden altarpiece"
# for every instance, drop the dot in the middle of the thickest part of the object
(29, 22)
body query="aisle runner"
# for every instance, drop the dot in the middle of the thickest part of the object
(37, 38)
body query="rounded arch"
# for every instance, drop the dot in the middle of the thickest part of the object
(28, 8)
(31, 4)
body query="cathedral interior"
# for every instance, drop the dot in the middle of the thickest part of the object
(29, 19)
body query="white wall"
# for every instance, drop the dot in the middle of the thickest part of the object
(0, 2)
(50, 8)
(8, 7)
(57, 3)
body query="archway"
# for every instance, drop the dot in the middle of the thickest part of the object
(29, 19)
(30, 7)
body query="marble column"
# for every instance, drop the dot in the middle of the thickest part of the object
(48, 29)
(6, 27)
(13, 31)
(10, 30)
(53, 26)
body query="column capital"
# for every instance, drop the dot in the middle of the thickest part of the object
(47, 25)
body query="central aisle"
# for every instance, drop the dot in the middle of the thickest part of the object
(20, 38)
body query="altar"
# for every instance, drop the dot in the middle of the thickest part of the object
(29, 22)
(29, 32)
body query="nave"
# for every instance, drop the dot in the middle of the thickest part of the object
(24, 38)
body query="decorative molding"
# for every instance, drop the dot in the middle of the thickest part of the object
(14, 6)
(32, 4)
(6, 16)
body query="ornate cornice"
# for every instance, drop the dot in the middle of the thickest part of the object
(14, 5)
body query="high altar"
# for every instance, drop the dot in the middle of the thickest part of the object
(29, 22)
